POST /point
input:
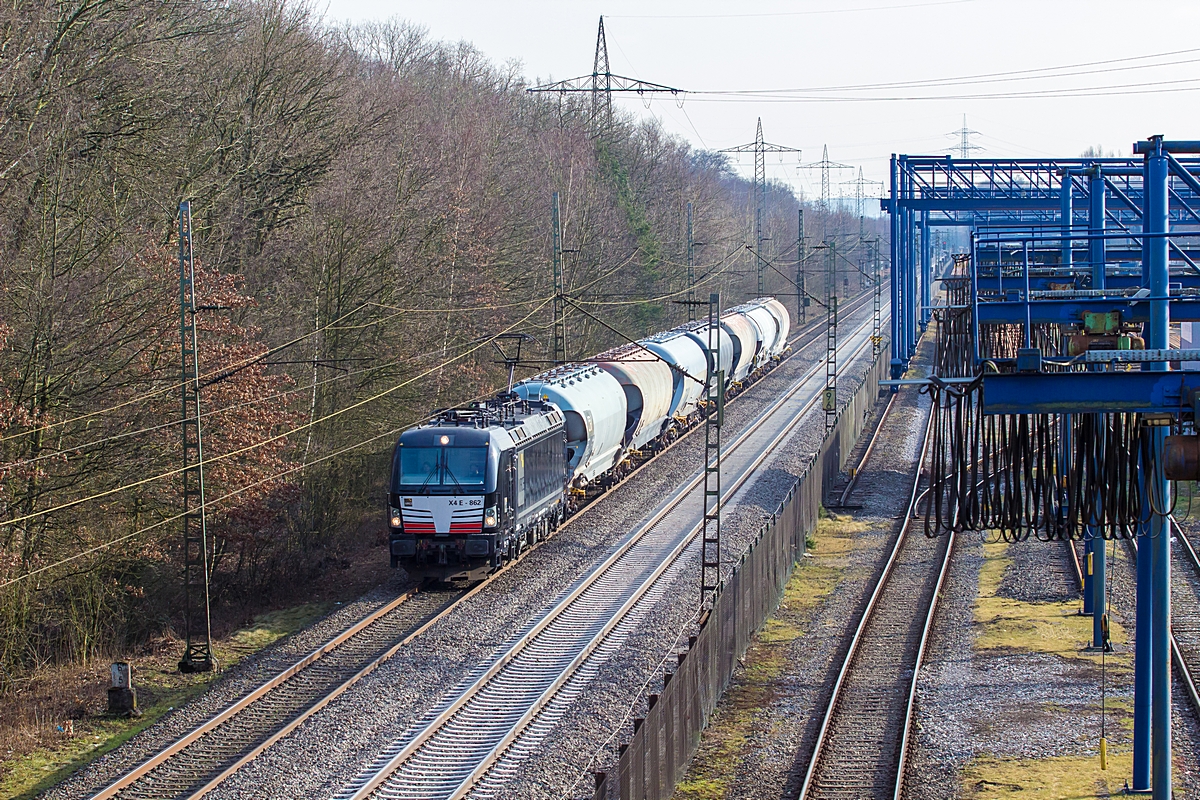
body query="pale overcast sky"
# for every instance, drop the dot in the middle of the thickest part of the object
(705, 46)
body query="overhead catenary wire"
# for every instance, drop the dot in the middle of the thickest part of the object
(305, 426)
(333, 325)
(277, 476)
(277, 437)
(723, 265)
(76, 448)
(177, 385)
(227, 496)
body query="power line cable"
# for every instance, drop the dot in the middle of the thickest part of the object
(814, 12)
(1035, 73)
(1049, 94)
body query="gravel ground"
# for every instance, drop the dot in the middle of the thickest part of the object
(1017, 704)
(1041, 572)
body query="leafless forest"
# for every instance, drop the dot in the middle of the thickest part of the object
(370, 205)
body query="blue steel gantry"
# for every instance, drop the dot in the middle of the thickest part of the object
(929, 192)
(1067, 409)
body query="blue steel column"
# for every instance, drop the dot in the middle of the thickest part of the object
(909, 293)
(914, 291)
(897, 274)
(1143, 662)
(1096, 251)
(926, 272)
(1097, 257)
(1068, 212)
(1155, 216)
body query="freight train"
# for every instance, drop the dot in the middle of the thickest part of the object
(473, 487)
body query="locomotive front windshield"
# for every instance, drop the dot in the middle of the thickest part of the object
(442, 466)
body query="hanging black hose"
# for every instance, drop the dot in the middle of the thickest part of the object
(1046, 475)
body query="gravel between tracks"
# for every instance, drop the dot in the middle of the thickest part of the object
(1013, 704)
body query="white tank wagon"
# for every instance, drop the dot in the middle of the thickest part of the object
(771, 321)
(746, 341)
(593, 403)
(699, 333)
(779, 311)
(689, 363)
(646, 380)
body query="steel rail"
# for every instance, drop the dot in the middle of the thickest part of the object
(911, 701)
(1185, 671)
(411, 745)
(126, 780)
(112, 790)
(1181, 663)
(859, 633)
(867, 453)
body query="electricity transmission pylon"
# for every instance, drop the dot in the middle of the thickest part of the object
(760, 149)
(600, 86)
(825, 165)
(964, 146)
(860, 184)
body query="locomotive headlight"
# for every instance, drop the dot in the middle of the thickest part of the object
(489, 517)
(444, 440)
(394, 517)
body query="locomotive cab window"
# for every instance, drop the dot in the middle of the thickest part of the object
(465, 466)
(442, 466)
(419, 465)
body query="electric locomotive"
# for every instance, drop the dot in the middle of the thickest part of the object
(472, 487)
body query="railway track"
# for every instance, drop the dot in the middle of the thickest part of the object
(1185, 612)
(862, 743)
(856, 470)
(456, 744)
(1185, 608)
(199, 761)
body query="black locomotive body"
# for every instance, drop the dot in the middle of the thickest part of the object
(473, 487)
